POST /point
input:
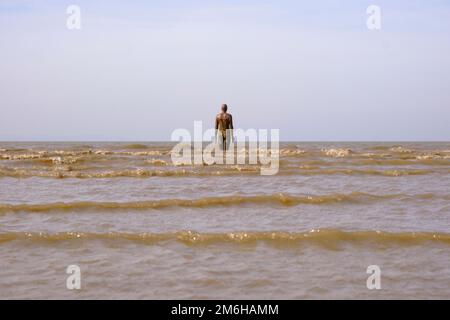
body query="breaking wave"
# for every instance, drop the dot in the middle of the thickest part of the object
(327, 238)
(339, 153)
(200, 171)
(270, 199)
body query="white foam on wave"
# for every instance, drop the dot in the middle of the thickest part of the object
(401, 149)
(338, 153)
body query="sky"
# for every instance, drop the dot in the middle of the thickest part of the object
(138, 70)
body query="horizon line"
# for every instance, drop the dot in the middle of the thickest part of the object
(169, 141)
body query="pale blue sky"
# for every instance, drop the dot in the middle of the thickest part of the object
(137, 70)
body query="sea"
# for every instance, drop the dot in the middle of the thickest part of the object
(120, 220)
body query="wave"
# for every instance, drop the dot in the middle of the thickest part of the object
(339, 153)
(419, 160)
(66, 174)
(78, 153)
(13, 149)
(292, 152)
(386, 173)
(270, 199)
(323, 237)
(401, 149)
(200, 171)
(137, 150)
(426, 161)
(156, 162)
(382, 147)
(134, 146)
(26, 156)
